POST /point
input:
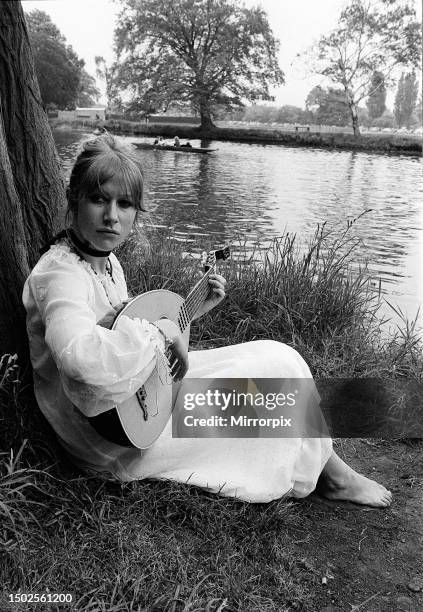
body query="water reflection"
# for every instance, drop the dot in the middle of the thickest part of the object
(197, 195)
(255, 192)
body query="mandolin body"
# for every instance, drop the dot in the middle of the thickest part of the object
(126, 424)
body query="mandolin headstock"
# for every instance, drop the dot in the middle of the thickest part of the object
(209, 259)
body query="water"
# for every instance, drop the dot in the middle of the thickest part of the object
(254, 192)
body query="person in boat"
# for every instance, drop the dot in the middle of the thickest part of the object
(187, 144)
(83, 368)
(176, 142)
(156, 141)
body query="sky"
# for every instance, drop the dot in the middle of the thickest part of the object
(88, 26)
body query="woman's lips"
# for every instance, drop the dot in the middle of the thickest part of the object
(108, 232)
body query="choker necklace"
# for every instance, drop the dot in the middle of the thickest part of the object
(84, 246)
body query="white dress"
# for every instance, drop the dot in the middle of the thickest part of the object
(82, 369)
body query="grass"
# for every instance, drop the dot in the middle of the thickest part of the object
(170, 547)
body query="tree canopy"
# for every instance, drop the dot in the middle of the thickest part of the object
(377, 96)
(371, 35)
(328, 106)
(204, 53)
(60, 72)
(406, 99)
(88, 91)
(105, 73)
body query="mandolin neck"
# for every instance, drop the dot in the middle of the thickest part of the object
(194, 300)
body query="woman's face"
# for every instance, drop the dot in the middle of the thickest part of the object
(105, 218)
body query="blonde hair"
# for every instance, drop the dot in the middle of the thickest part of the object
(101, 160)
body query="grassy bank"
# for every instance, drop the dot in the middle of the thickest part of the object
(380, 143)
(170, 547)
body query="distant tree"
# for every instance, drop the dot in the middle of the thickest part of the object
(419, 116)
(105, 73)
(377, 96)
(363, 116)
(236, 114)
(88, 91)
(63, 81)
(201, 52)
(371, 35)
(260, 113)
(387, 120)
(406, 99)
(57, 65)
(329, 106)
(290, 114)
(272, 114)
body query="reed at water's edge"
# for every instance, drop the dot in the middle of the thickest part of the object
(123, 547)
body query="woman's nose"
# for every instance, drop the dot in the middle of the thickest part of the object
(111, 212)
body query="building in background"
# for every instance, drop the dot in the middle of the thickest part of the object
(82, 114)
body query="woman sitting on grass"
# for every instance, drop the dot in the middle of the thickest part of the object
(82, 368)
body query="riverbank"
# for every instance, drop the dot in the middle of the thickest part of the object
(382, 143)
(167, 546)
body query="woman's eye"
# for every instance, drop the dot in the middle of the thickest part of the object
(125, 204)
(97, 198)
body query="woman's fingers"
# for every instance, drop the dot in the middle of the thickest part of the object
(217, 279)
(179, 360)
(219, 291)
(218, 285)
(178, 371)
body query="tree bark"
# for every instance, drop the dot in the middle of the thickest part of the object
(32, 194)
(354, 112)
(207, 124)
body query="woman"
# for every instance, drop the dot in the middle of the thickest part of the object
(82, 368)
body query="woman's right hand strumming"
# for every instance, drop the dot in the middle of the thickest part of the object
(177, 348)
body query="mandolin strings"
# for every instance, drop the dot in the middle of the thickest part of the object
(197, 295)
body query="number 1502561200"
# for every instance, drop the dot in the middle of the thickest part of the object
(40, 597)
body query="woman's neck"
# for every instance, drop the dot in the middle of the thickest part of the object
(98, 264)
(97, 261)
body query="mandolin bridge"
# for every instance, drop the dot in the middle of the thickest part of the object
(141, 396)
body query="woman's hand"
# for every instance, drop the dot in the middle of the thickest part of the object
(108, 320)
(178, 350)
(217, 285)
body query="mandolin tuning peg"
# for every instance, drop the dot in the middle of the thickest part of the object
(203, 258)
(211, 259)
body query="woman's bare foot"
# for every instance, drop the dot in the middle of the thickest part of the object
(339, 481)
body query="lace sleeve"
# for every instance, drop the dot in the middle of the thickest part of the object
(99, 368)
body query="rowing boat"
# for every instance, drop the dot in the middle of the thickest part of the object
(147, 145)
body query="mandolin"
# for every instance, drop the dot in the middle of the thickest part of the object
(140, 420)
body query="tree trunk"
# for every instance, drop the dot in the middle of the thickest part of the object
(207, 124)
(353, 110)
(32, 195)
(354, 118)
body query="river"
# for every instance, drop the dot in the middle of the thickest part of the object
(253, 192)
